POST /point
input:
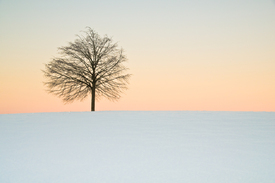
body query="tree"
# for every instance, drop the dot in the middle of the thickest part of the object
(91, 65)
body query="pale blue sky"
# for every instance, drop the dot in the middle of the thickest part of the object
(154, 25)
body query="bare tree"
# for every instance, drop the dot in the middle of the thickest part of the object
(91, 65)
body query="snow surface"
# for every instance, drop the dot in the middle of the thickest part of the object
(138, 147)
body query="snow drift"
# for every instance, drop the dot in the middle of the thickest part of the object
(138, 147)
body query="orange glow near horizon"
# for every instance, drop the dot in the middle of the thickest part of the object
(208, 91)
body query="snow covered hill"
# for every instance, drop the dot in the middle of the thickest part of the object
(138, 147)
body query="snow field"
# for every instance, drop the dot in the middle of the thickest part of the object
(135, 147)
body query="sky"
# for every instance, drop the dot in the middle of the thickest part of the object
(183, 54)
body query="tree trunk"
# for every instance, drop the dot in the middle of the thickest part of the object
(93, 100)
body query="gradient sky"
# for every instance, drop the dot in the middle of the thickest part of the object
(184, 54)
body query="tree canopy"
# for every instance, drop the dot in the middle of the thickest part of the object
(91, 65)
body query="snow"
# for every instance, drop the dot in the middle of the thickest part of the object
(138, 147)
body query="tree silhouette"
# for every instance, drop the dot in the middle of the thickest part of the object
(91, 65)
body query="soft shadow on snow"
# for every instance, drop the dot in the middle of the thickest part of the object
(147, 147)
